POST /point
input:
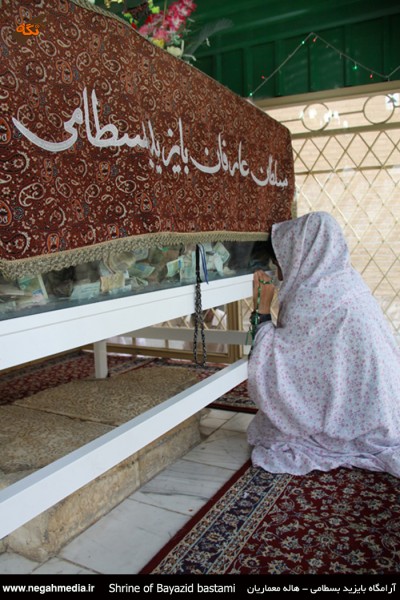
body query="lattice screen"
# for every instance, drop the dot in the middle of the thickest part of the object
(347, 162)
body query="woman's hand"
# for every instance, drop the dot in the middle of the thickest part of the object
(263, 281)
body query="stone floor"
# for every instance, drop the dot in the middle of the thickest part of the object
(125, 539)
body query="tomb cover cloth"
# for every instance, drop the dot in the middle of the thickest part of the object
(327, 378)
(109, 143)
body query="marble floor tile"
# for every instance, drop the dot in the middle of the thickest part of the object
(124, 540)
(183, 487)
(57, 566)
(212, 419)
(223, 448)
(14, 564)
(218, 414)
(239, 422)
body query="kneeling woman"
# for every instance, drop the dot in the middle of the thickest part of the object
(326, 379)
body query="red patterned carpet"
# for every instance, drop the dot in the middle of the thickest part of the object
(340, 522)
(31, 379)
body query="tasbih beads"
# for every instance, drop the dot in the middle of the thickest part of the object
(256, 318)
(198, 316)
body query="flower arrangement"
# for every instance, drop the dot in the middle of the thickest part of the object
(165, 28)
(169, 28)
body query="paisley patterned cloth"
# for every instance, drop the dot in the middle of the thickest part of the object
(108, 143)
(326, 380)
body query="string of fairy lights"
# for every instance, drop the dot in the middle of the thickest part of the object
(314, 37)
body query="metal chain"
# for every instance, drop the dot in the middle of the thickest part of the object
(198, 316)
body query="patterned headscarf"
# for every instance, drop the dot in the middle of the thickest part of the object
(317, 274)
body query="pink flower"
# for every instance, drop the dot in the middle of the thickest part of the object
(162, 34)
(189, 4)
(175, 22)
(165, 26)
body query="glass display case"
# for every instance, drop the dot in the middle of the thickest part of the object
(126, 274)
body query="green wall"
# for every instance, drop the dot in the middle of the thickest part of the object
(265, 33)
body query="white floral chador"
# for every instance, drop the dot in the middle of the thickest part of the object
(326, 380)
